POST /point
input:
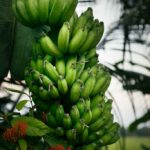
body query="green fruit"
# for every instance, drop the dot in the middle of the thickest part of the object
(67, 123)
(74, 114)
(60, 114)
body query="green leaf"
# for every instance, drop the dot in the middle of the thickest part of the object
(35, 127)
(21, 104)
(23, 144)
(52, 140)
(16, 91)
(6, 26)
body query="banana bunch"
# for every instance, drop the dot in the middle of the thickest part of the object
(33, 13)
(89, 123)
(79, 35)
(64, 77)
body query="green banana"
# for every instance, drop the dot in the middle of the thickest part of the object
(71, 135)
(60, 131)
(87, 116)
(60, 114)
(87, 103)
(60, 66)
(22, 12)
(71, 70)
(84, 135)
(91, 146)
(100, 82)
(67, 123)
(74, 114)
(44, 94)
(36, 75)
(64, 37)
(43, 8)
(73, 21)
(92, 35)
(75, 91)
(50, 71)
(84, 75)
(53, 108)
(80, 66)
(51, 121)
(68, 10)
(91, 53)
(56, 11)
(96, 112)
(82, 20)
(62, 85)
(53, 91)
(39, 64)
(45, 81)
(25, 21)
(32, 10)
(36, 50)
(97, 124)
(79, 126)
(34, 89)
(114, 139)
(88, 87)
(106, 85)
(81, 106)
(95, 101)
(49, 46)
(92, 62)
(114, 127)
(77, 40)
(33, 64)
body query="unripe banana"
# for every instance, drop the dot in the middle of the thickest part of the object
(96, 112)
(91, 62)
(36, 75)
(68, 10)
(32, 10)
(96, 125)
(67, 123)
(95, 101)
(56, 12)
(62, 86)
(84, 75)
(36, 50)
(44, 94)
(79, 126)
(75, 91)
(74, 114)
(71, 135)
(51, 71)
(92, 35)
(34, 89)
(60, 131)
(114, 139)
(60, 114)
(106, 85)
(82, 20)
(53, 108)
(49, 46)
(73, 21)
(91, 146)
(100, 82)
(19, 17)
(81, 106)
(45, 81)
(43, 8)
(87, 116)
(80, 66)
(53, 91)
(60, 66)
(78, 40)
(22, 12)
(88, 87)
(33, 64)
(84, 135)
(39, 64)
(87, 103)
(114, 127)
(91, 53)
(51, 121)
(64, 37)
